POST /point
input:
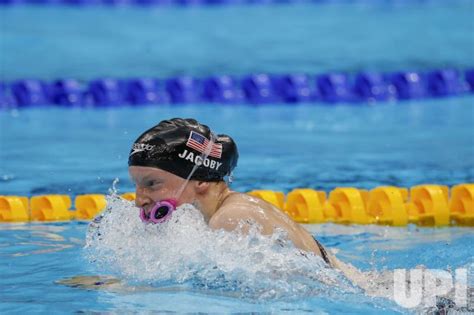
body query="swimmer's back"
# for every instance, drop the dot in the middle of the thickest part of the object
(238, 207)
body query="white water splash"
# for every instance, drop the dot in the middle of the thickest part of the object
(186, 250)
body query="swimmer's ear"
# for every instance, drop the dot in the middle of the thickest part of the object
(201, 187)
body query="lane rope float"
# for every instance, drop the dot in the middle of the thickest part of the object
(330, 88)
(423, 205)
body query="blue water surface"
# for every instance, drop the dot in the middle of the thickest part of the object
(54, 42)
(54, 150)
(35, 256)
(74, 151)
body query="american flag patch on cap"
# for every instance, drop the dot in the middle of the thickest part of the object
(198, 142)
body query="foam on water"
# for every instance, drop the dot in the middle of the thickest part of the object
(186, 250)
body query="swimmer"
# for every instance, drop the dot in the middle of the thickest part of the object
(170, 162)
(180, 161)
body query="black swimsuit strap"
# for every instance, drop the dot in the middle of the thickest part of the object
(324, 254)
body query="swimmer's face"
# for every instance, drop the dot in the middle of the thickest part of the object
(153, 184)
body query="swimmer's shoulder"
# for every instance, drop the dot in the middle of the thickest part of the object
(236, 209)
(239, 206)
(251, 203)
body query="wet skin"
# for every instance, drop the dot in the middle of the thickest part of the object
(221, 207)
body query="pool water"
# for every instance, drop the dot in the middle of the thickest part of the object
(35, 256)
(51, 150)
(382, 36)
(281, 147)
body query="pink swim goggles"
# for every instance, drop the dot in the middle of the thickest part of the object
(160, 212)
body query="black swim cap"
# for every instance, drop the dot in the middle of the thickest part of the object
(177, 145)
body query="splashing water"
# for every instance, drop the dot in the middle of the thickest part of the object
(114, 190)
(184, 250)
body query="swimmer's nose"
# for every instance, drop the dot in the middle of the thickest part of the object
(143, 201)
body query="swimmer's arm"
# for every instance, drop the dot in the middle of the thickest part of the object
(230, 218)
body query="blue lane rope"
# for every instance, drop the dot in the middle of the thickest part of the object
(85, 3)
(254, 89)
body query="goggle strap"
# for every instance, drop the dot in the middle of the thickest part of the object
(204, 156)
